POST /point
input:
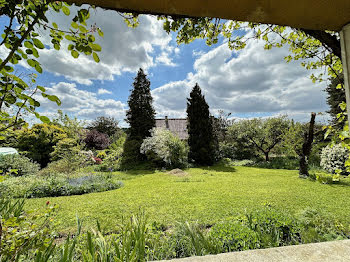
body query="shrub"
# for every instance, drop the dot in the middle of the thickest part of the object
(56, 185)
(290, 163)
(226, 150)
(112, 160)
(96, 140)
(69, 163)
(18, 165)
(324, 178)
(333, 158)
(233, 236)
(38, 142)
(165, 148)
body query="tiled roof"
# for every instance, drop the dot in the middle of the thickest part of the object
(177, 126)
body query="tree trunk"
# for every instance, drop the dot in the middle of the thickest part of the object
(306, 149)
(267, 156)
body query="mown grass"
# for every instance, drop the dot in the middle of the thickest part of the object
(206, 195)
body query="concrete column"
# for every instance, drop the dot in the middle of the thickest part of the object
(345, 57)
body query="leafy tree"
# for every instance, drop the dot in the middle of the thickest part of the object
(200, 130)
(106, 125)
(26, 20)
(262, 134)
(335, 98)
(140, 117)
(73, 127)
(96, 140)
(38, 142)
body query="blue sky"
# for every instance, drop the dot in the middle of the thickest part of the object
(250, 83)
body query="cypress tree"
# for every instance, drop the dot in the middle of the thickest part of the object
(140, 116)
(200, 130)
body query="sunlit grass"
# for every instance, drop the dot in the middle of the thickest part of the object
(206, 195)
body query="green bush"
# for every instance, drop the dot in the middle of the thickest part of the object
(38, 142)
(17, 165)
(290, 163)
(234, 236)
(69, 164)
(324, 178)
(56, 185)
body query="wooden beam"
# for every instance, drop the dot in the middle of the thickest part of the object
(309, 14)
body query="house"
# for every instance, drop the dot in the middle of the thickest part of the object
(177, 126)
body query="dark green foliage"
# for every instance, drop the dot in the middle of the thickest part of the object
(291, 163)
(140, 117)
(56, 185)
(105, 125)
(17, 165)
(334, 99)
(201, 138)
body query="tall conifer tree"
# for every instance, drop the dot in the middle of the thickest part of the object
(140, 116)
(200, 130)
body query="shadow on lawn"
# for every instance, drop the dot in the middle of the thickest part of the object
(219, 168)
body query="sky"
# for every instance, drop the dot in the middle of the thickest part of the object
(252, 82)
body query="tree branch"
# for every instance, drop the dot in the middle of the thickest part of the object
(329, 41)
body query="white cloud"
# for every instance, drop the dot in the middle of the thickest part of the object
(250, 81)
(123, 49)
(102, 91)
(81, 103)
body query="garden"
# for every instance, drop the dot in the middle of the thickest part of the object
(95, 190)
(76, 191)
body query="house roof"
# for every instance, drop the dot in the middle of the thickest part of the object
(177, 126)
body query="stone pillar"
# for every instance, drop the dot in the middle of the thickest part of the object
(345, 57)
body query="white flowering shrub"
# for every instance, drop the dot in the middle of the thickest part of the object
(333, 158)
(163, 147)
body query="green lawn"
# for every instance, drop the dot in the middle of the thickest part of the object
(206, 195)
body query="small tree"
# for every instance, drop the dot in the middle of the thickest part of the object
(140, 116)
(200, 130)
(262, 134)
(105, 125)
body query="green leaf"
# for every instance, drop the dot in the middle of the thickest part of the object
(100, 33)
(74, 25)
(54, 25)
(31, 62)
(38, 43)
(75, 54)
(56, 46)
(95, 47)
(96, 58)
(65, 10)
(42, 89)
(45, 119)
(38, 68)
(28, 44)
